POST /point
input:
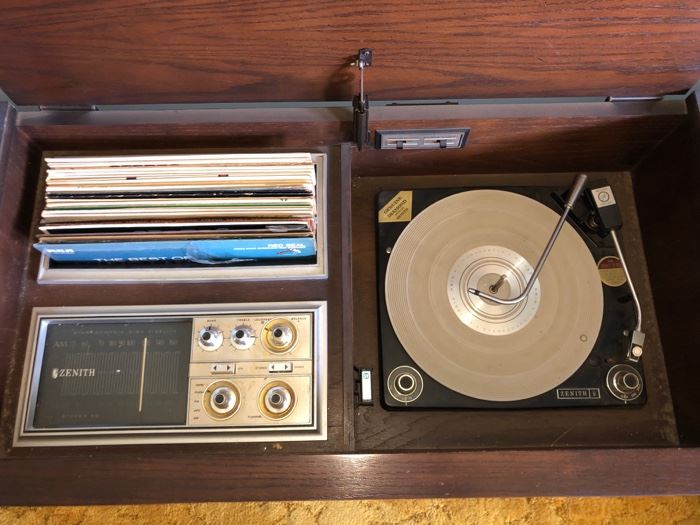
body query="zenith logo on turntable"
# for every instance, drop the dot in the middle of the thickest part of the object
(578, 393)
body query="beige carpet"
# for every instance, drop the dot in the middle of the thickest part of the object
(540, 511)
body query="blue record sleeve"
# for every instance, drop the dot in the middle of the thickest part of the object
(214, 251)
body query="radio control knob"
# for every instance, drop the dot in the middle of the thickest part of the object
(624, 382)
(242, 337)
(210, 338)
(276, 400)
(279, 335)
(221, 400)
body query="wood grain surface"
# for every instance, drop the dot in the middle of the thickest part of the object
(537, 137)
(147, 479)
(19, 165)
(130, 51)
(668, 197)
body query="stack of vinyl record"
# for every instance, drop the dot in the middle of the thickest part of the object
(202, 209)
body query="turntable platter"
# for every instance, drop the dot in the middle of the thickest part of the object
(490, 240)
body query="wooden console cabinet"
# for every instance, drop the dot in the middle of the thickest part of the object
(532, 83)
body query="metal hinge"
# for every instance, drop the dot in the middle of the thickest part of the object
(76, 107)
(360, 102)
(633, 99)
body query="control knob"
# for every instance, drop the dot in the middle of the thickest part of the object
(210, 338)
(279, 335)
(276, 400)
(242, 337)
(221, 400)
(624, 382)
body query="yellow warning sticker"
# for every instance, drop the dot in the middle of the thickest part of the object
(611, 272)
(398, 209)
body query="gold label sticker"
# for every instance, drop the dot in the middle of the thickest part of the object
(398, 209)
(611, 272)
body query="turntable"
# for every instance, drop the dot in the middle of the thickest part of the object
(506, 298)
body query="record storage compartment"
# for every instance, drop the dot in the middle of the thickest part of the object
(649, 151)
(50, 272)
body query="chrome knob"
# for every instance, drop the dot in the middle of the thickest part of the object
(279, 335)
(221, 400)
(624, 382)
(242, 337)
(276, 400)
(210, 338)
(405, 384)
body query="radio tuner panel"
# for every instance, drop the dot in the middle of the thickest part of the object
(167, 374)
(230, 355)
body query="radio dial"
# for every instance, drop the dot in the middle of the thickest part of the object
(210, 338)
